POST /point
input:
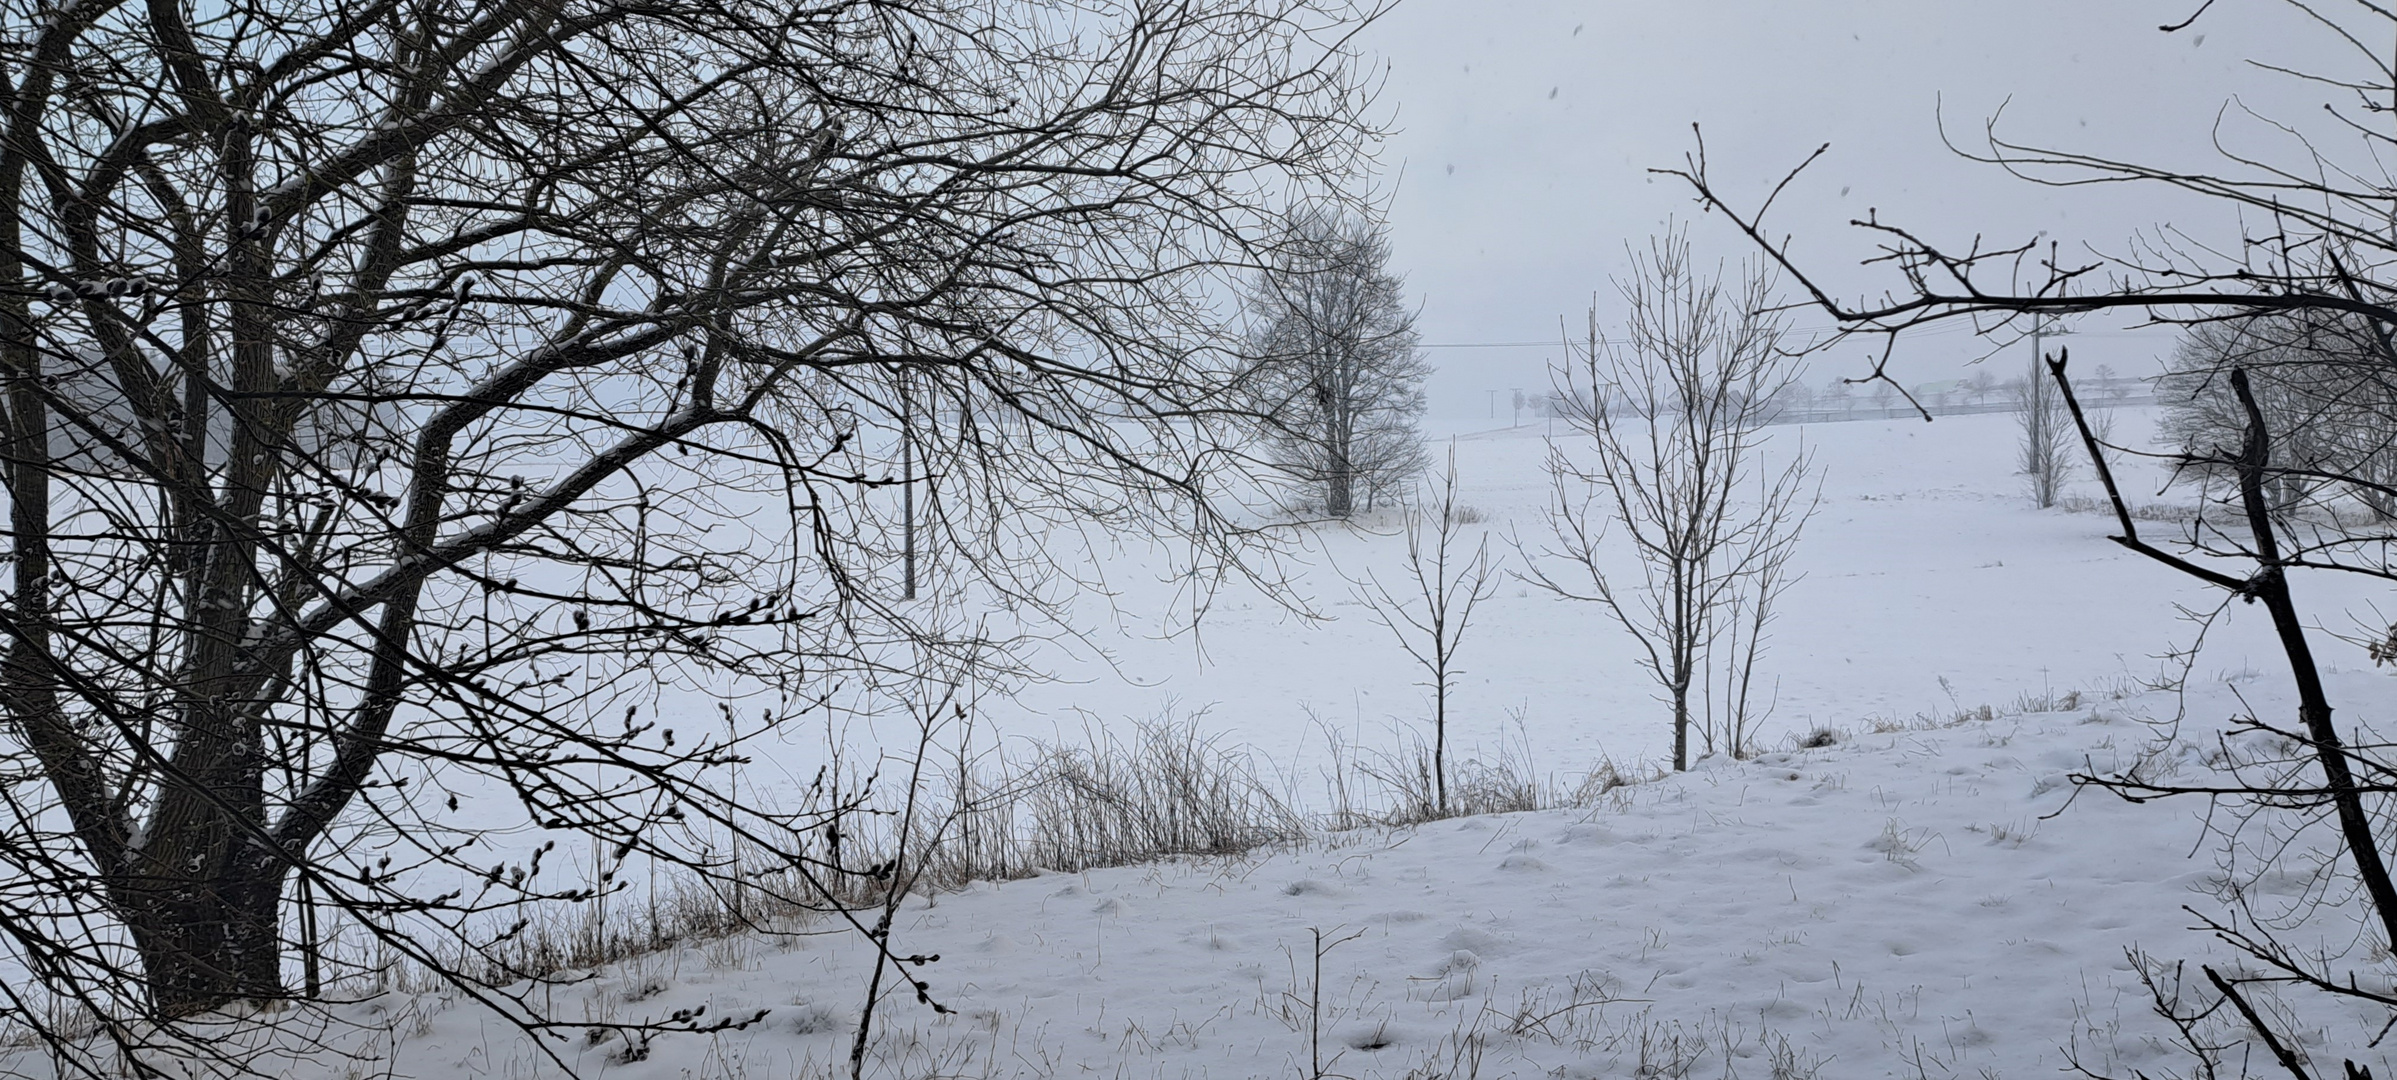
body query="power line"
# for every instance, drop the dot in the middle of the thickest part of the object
(1946, 331)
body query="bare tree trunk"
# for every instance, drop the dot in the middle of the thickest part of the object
(1440, 742)
(1339, 499)
(1690, 629)
(1681, 727)
(208, 942)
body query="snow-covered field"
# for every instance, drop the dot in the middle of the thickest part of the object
(1908, 903)
(1924, 563)
(1924, 897)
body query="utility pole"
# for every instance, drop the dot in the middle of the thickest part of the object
(1494, 397)
(2041, 409)
(2040, 329)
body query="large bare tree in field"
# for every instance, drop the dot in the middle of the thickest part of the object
(1336, 377)
(2295, 289)
(399, 392)
(2331, 405)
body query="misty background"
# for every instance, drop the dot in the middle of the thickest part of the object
(1524, 133)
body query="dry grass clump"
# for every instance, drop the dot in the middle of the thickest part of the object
(1394, 787)
(1167, 790)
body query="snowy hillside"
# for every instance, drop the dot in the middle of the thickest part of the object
(1929, 902)
(1922, 895)
(1906, 884)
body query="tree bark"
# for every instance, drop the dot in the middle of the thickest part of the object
(1681, 728)
(208, 941)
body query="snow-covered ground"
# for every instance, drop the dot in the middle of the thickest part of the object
(1925, 897)
(1907, 903)
(1924, 565)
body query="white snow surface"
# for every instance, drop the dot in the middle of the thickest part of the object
(1909, 903)
(1925, 898)
(1924, 562)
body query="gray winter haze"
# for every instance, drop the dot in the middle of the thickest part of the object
(1525, 131)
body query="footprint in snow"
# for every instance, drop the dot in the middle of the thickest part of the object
(1372, 1036)
(1454, 986)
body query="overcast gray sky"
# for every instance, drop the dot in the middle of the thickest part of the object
(1525, 129)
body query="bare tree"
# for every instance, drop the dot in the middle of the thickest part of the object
(1676, 412)
(1792, 404)
(1841, 395)
(2330, 405)
(2110, 383)
(1430, 615)
(1980, 384)
(399, 395)
(2314, 252)
(1336, 374)
(2045, 449)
